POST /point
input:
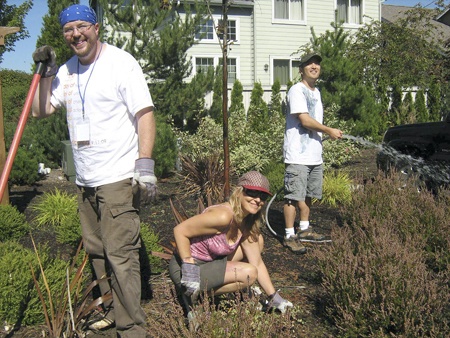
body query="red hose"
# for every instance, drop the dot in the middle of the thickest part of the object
(20, 127)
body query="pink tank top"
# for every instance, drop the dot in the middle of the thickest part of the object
(209, 247)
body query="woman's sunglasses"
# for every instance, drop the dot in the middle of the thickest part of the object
(256, 193)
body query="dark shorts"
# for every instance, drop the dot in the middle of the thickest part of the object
(212, 273)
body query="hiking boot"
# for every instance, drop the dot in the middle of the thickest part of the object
(309, 235)
(293, 244)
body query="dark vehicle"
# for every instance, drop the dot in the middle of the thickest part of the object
(419, 150)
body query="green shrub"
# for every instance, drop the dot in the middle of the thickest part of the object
(336, 188)
(165, 151)
(59, 210)
(386, 273)
(151, 242)
(13, 224)
(16, 283)
(19, 300)
(275, 174)
(25, 166)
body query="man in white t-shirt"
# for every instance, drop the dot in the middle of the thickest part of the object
(302, 152)
(112, 132)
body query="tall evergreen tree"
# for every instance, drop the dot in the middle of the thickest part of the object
(13, 16)
(158, 37)
(409, 113)
(257, 113)
(340, 82)
(215, 110)
(420, 107)
(275, 100)
(434, 98)
(237, 98)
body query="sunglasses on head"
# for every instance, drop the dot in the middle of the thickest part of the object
(256, 193)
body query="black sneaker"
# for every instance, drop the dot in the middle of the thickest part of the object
(293, 244)
(309, 235)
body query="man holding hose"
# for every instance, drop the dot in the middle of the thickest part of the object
(303, 153)
(112, 132)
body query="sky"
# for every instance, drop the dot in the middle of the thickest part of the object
(21, 60)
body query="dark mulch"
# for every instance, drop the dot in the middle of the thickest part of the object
(295, 275)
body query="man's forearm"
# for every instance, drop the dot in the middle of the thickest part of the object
(146, 132)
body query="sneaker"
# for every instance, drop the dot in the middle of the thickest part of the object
(309, 235)
(293, 244)
(101, 324)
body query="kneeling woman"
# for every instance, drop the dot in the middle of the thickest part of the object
(220, 249)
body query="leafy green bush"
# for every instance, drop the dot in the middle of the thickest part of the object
(336, 188)
(386, 273)
(59, 210)
(249, 150)
(13, 224)
(151, 242)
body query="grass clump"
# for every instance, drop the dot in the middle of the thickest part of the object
(387, 272)
(336, 188)
(59, 210)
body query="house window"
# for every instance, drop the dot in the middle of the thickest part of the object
(202, 64)
(349, 11)
(288, 9)
(285, 70)
(231, 69)
(231, 30)
(206, 31)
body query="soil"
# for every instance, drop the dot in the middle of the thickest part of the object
(294, 275)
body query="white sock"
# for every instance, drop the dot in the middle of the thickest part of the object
(289, 232)
(304, 225)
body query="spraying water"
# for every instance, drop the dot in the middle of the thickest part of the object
(436, 172)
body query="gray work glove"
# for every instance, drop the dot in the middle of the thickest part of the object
(190, 279)
(47, 56)
(279, 303)
(144, 180)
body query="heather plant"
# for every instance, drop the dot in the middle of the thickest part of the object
(386, 272)
(233, 315)
(13, 223)
(59, 209)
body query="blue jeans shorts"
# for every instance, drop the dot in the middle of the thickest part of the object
(301, 181)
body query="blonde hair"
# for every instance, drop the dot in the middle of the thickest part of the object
(250, 225)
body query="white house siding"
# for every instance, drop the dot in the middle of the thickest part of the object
(263, 39)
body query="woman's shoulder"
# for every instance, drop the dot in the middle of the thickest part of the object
(221, 210)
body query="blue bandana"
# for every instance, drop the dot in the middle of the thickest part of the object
(77, 12)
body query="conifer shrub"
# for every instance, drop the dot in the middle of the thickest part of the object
(386, 271)
(13, 224)
(19, 301)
